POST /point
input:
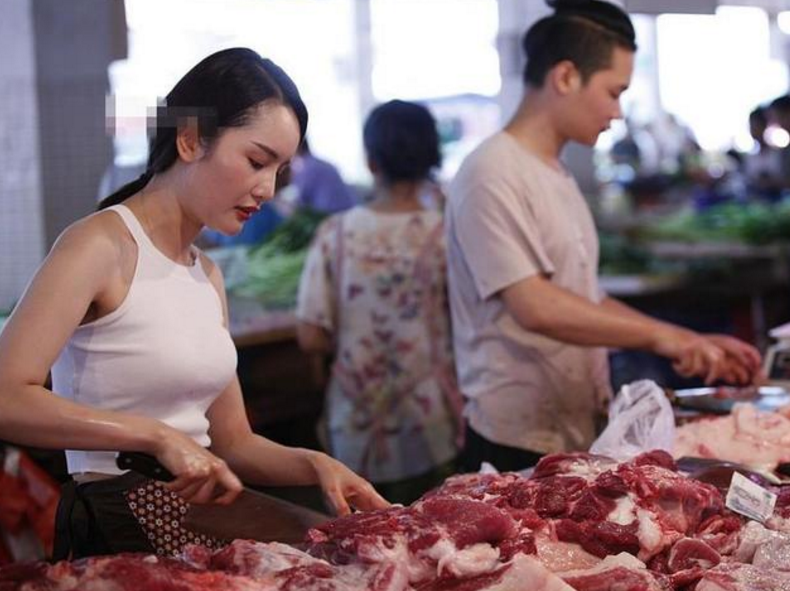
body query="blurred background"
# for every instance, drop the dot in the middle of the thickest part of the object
(690, 190)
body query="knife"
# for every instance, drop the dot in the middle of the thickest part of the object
(253, 515)
(719, 472)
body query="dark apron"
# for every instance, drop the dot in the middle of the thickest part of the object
(94, 518)
(127, 513)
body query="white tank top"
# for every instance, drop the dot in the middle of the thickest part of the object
(163, 353)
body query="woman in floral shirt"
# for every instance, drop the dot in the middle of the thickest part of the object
(373, 293)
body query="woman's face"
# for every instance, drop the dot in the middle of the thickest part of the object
(238, 172)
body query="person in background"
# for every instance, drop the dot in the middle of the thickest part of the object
(530, 322)
(135, 323)
(318, 184)
(779, 117)
(763, 166)
(373, 294)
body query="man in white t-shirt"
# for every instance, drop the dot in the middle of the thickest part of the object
(529, 321)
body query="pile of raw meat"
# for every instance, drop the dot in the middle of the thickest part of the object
(748, 435)
(579, 522)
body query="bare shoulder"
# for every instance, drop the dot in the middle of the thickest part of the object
(100, 249)
(102, 235)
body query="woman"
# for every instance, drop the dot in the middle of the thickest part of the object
(132, 320)
(373, 294)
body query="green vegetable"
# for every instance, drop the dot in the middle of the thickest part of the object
(751, 223)
(295, 233)
(275, 267)
(273, 278)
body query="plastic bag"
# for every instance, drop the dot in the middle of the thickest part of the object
(640, 420)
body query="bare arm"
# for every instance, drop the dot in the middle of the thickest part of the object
(540, 306)
(258, 460)
(70, 279)
(742, 362)
(313, 338)
(79, 272)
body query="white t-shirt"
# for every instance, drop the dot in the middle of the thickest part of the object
(511, 216)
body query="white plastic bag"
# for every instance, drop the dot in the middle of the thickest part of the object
(640, 420)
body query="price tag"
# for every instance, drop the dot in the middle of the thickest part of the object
(749, 498)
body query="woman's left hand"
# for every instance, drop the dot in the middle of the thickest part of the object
(343, 488)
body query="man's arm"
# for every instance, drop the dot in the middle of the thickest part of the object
(540, 306)
(743, 360)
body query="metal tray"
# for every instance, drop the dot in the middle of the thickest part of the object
(721, 400)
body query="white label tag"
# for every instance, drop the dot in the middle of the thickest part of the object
(749, 498)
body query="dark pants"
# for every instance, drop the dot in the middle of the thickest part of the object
(478, 449)
(95, 519)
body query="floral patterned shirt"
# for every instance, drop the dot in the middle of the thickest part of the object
(377, 282)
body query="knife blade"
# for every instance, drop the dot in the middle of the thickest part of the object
(253, 515)
(719, 472)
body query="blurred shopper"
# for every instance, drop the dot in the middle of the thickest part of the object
(530, 322)
(318, 184)
(136, 327)
(779, 118)
(762, 167)
(373, 294)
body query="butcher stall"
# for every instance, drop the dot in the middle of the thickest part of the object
(706, 509)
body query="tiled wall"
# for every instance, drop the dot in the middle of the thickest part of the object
(21, 215)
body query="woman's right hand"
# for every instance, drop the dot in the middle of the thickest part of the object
(201, 477)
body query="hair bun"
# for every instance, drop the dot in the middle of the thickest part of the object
(605, 14)
(559, 5)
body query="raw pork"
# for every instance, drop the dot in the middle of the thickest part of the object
(747, 436)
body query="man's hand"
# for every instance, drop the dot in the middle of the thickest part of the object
(714, 357)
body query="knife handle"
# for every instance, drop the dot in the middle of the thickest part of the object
(144, 464)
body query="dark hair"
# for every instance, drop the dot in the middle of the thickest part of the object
(759, 116)
(219, 92)
(402, 141)
(584, 32)
(780, 104)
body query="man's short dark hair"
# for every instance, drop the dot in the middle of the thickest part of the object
(781, 104)
(584, 32)
(759, 116)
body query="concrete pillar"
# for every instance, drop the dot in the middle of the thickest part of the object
(75, 41)
(515, 17)
(21, 216)
(54, 145)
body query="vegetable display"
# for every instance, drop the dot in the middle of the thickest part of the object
(274, 267)
(748, 223)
